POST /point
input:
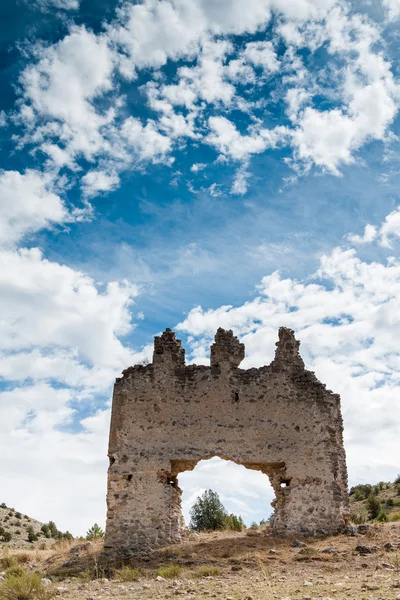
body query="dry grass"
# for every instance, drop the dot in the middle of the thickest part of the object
(207, 571)
(236, 565)
(169, 571)
(127, 574)
(25, 586)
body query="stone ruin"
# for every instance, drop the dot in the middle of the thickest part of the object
(278, 419)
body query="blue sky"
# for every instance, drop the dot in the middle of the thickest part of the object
(192, 165)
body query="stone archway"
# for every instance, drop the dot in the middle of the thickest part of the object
(278, 419)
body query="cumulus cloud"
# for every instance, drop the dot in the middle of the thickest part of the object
(28, 203)
(392, 8)
(99, 181)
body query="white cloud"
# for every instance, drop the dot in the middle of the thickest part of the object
(370, 234)
(392, 8)
(229, 141)
(147, 142)
(390, 228)
(60, 87)
(262, 54)
(55, 305)
(61, 4)
(385, 235)
(240, 182)
(28, 203)
(99, 181)
(196, 167)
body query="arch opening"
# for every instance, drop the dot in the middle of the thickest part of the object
(244, 490)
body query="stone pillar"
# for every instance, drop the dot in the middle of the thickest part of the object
(144, 509)
(226, 351)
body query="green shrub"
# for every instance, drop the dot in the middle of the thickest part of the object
(357, 518)
(26, 586)
(234, 523)
(373, 506)
(94, 533)
(382, 516)
(15, 570)
(18, 515)
(390, 502)
(207, 571)
(32, 536)
(127, 574)
(397, 480)
(169, 571)
(362, 491)
(394, 517)
(3, 505)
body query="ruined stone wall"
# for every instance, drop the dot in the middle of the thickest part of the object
(278, 419)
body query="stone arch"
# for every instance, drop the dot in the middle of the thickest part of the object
(278, 419)
(275, 472)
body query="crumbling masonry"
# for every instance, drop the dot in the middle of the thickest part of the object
(278, 419)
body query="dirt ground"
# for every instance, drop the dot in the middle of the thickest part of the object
(246, 566)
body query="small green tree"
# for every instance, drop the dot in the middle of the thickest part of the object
(208, 513)
(397, 480)
(94, 533)
(382, 516)
(53, 529)
(3, 505)
(32, 536)
(373, 506)
(46, 530)
(234, 523)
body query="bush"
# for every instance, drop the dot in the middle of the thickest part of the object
(394, 517)
(127, 574)
(94, 533)
(397, 480)
(373, 506)
(207, 571)
(26, 586)
(208, 513)
(32, 536)
(3, 505)
(357, 518)
(169, 571)
(390, 502)
(5, 536)
(15, 570)
(46, 530)
(382, 516)
(361, 492)
(53, 529)
(18, 515)
(234, 523)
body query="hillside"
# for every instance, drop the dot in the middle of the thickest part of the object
(19, 531)
(385, 504)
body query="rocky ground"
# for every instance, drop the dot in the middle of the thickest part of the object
(233, 566)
